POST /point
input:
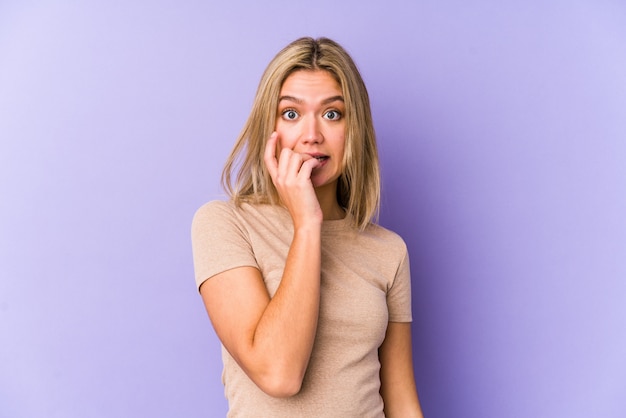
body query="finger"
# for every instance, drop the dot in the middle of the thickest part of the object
(308, 166)
(289, 164)
(270, 154)
(306, 157)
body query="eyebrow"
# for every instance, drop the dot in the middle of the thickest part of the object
(300, 101)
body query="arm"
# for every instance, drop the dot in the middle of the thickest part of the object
(396, 373)
(272, 339)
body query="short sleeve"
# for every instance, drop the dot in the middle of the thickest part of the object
(219, 241)
(399, 295)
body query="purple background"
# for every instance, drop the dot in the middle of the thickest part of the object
(502, 131)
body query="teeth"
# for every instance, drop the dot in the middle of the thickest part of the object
(320, 158)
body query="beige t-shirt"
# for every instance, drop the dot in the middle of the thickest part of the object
(365, 283)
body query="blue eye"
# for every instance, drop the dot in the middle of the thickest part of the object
(290, 114)
(332, 115)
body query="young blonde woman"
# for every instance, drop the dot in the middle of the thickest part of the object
(310, 299)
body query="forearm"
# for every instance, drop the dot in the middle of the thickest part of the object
(281, 340)
(396, 373)
(285, 333)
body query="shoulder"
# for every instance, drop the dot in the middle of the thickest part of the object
(386, 238)
(215, 208)
(375, 242)
(214, 215)
(220, 214)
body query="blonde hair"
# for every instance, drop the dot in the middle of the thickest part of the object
(358, 189)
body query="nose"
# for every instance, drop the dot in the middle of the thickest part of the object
(311, 131)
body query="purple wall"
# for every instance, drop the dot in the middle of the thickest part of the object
(502, 132)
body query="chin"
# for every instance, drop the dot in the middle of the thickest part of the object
(321, 183)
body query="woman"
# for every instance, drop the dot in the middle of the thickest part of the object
(310, 299)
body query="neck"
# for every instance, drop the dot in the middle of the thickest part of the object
(327, 196)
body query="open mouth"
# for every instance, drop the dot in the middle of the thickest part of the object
(319, 157)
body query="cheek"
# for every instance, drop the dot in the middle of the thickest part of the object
(282, 142)
(342, 150)
(341, 145)
(285, 138)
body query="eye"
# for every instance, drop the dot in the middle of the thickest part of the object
(290, 114)
(332, 115)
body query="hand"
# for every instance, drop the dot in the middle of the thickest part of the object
(291, 175)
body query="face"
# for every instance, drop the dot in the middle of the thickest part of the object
(311, 121)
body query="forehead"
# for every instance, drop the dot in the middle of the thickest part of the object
(310, 82)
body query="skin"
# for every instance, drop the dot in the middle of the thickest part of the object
(272, 338)
(310, 123)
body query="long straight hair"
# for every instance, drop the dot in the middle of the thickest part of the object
(358, 187)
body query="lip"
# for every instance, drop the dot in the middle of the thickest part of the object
(318, 155)
(322, 158)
